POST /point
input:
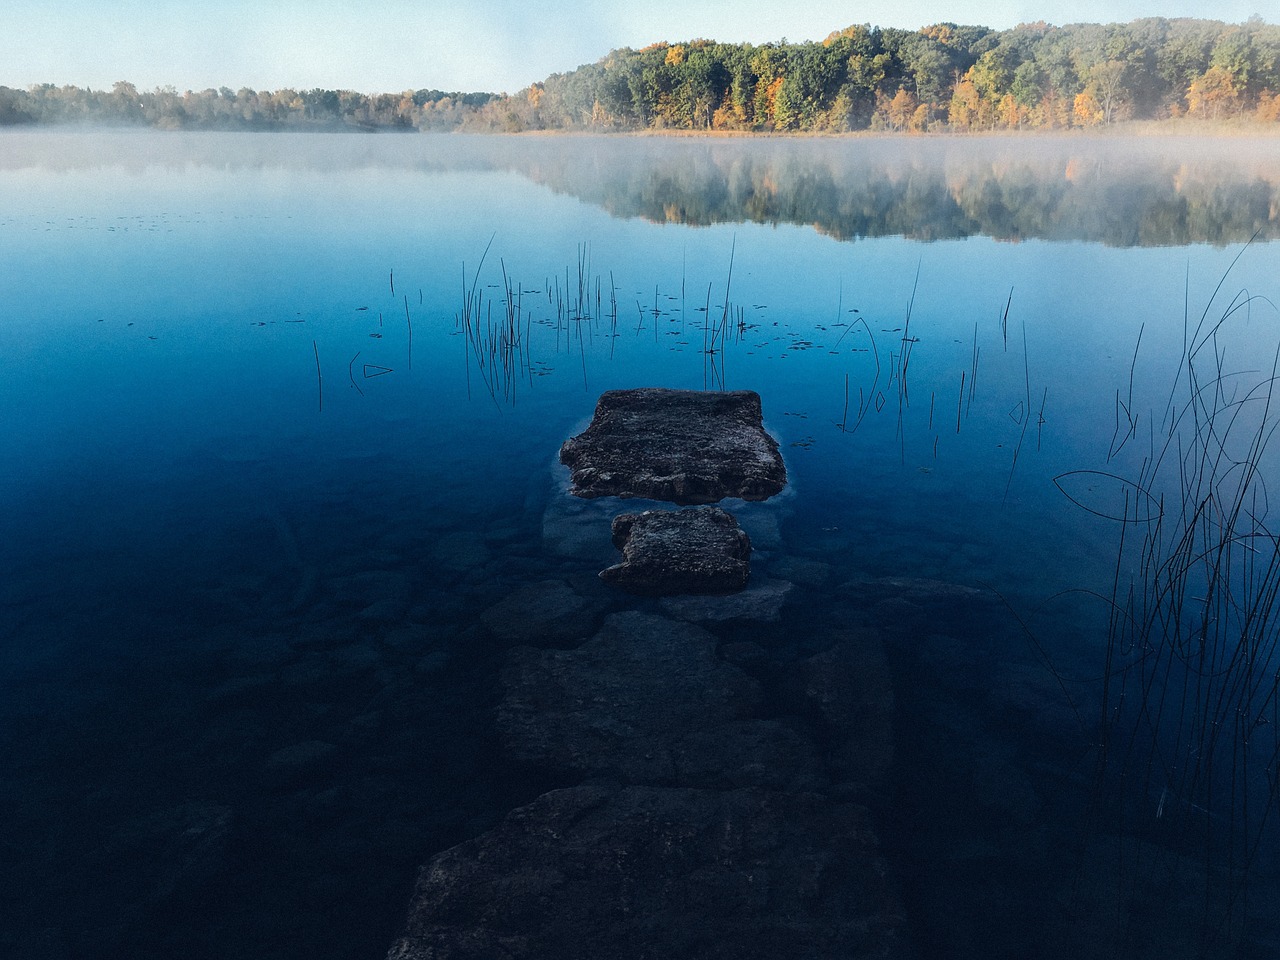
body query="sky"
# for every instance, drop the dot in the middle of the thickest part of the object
(378, 46)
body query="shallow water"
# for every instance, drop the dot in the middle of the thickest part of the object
(259, 485)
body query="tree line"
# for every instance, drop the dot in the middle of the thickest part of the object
(244, 109)
(943, 76)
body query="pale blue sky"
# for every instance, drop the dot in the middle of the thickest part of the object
(496, 45)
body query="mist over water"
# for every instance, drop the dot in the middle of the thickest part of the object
(261, 485)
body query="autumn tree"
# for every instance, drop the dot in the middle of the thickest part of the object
(1213, 95)
(1086, 111)
(963, 113)
(899, 111)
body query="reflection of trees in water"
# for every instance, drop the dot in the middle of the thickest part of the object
(933, 193)
(1152, 191)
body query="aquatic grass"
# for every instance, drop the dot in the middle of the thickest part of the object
(319, 376)
(408, 323)
(351, 373)
(714, 337)
(1023, 419)
(868, 397)
(1189, 707)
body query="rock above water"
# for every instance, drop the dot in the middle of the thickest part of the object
(682, 446)
(642, 872)
(667, 552)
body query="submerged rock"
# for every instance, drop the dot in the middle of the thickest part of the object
(575, 529)
(640, 872)
(666, 552)
(623, 704)
(546, 612)
(682, 446)
(173, 851)
(761, 602)
(850, 688)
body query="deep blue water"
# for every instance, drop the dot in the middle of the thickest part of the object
(258, 487)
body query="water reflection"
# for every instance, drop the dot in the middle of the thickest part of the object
(1121, 194)
(1124, 192)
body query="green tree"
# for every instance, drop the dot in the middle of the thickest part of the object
(1106, 81)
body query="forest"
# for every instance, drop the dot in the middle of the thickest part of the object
(940, 77)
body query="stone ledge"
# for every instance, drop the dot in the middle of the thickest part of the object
(669, 552)
(680, 446)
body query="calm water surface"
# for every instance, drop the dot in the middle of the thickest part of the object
(260, 481)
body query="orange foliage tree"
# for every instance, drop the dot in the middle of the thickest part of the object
(1213, 95)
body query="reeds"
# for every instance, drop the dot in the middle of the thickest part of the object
(715, 335)
(1188, 752)
(497, 348)
(498, 343)
(319, 377)
(409, 323)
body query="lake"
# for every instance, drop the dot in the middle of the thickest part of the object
(280, 418)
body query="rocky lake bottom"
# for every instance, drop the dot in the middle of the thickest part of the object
(842, 761)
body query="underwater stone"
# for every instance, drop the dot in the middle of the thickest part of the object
(681, 446)
(761, 602)
(573, 528)
(632, 872)
(546, 612)
(174, 851)
(668, 552)
(850, 687)
(623, 703)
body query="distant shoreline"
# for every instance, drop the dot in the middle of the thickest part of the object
(1174, 127)
(943, 78)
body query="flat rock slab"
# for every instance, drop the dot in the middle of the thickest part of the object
(642, 872)
(669, 552)
(761, 602)
(545, 612)
(628, 703)
(680, 446)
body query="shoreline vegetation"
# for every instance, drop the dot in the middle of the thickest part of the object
(1145, 76)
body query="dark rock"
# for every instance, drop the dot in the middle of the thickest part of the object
(851, 689)
(461, 551)
(175, 850)
(744, 653)
(387, 610)
(572, 527)
(642, 872)
(905, 608)
(760, 603)
(622, 704)
(667, 552)
(546, 612)
(762, 523)
(807, 572)
(369, 586)
(748, 753)
(241, 690)
(434, 662)
(408, 637)
(300, 757)
(262, 653)
(682, 446)
(918, 589)
(355, 659)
